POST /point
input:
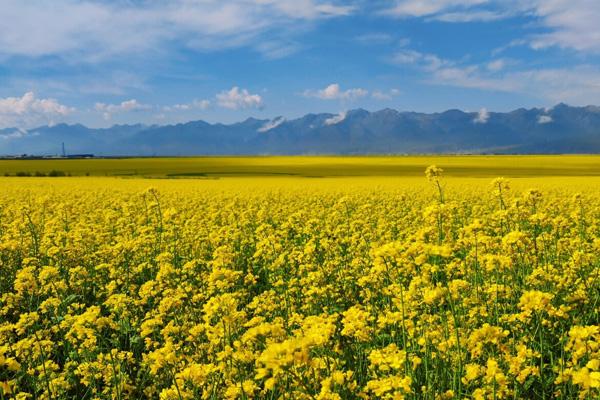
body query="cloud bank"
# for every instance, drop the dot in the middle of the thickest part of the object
(99, 29)
(569, 24)
(28, 111)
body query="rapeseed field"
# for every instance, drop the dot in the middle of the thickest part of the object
(310, 166)
(337, 288)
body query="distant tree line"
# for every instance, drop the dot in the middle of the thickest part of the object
(54, 173)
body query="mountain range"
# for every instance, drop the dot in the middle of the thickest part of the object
(560, 129)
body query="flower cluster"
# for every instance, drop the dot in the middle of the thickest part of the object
(285, 288)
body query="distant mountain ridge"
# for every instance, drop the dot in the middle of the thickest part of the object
(561, 129)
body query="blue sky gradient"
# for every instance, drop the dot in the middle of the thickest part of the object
(127, 61)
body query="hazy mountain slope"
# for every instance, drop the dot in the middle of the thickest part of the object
(562, 129)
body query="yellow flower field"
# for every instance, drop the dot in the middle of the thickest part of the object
(298, 288)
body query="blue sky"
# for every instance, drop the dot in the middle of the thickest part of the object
(126, 61)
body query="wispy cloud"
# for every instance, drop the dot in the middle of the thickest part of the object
(29, 110)
(374, 38)
(571, 23)
(385, 95)
(274, 123)
(74, 83)
(482, 116)
(95, 30)
(579, 84)
(423, 60)
(274, 50)
(233, 99)
(497, 65)
(472, 16)
(422, 8)
(194, 105)
(567, 23)
(336, 119)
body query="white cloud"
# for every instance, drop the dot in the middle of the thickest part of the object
(567, 23)
(407, 57)
(108, 110)
(422, 8)
(577, 85)
(374, 38)
(274, 123)
(457, 11)
(92, 30)
(237, 98)
(336, 119)
(498, 65)
(306, 9)
(274, 50)
(544, 119)
(334, 92)
(509, 45)
(385, 96)
(572, 23)
(412, 57)
(28, 111)
(472, 16)
(473, 77)
(482, 116)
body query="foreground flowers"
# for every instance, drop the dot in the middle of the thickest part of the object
(205, 291)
